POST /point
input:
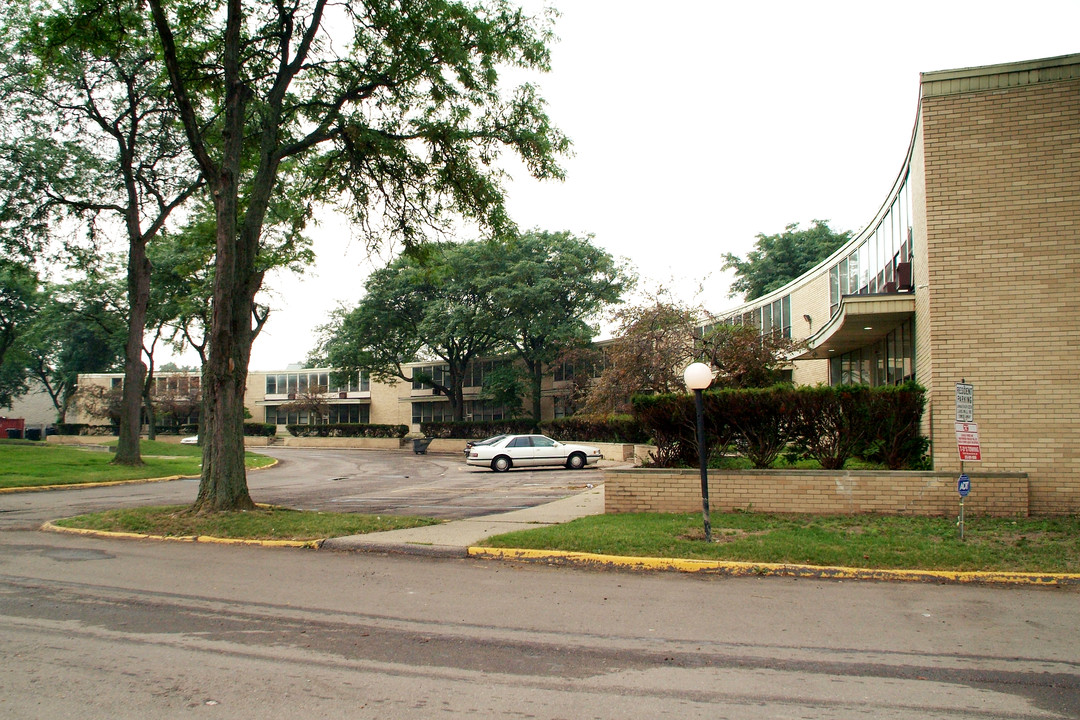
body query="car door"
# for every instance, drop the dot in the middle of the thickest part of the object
(521, 451)
(546, 451)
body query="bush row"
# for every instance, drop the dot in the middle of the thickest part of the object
(358, 430)
(478, 430)
(828, 424)
(596, 429)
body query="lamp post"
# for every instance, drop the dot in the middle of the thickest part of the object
(697, 377)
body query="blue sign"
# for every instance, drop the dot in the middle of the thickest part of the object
(963, 485)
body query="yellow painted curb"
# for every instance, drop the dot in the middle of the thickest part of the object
(107, 483)
(743, 569)
(51, 527)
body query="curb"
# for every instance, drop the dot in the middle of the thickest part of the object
(207, 539)
(415, 549)
(747, 569)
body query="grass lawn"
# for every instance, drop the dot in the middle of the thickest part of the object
(868, 541)
(25, 464)
(262, 524)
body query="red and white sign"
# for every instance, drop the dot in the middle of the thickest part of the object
(967, 442)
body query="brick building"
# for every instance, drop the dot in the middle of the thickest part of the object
(968, 271)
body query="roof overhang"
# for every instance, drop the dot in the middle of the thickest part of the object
(861, 320)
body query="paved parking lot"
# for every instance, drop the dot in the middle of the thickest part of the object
(402, 483)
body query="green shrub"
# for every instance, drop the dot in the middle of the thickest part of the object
(478, 430)
(357, 430)
(596, 428)
(830, 424)
(260, 429)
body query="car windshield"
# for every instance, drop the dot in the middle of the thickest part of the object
(489, 441)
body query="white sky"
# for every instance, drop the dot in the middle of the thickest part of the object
(697, 125)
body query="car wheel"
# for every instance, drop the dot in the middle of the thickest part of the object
(575, 461)
(501, 464)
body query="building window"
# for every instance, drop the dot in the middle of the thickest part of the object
(343, 413)
(890, 361)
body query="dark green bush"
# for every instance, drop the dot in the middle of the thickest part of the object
(760, 419)
(260, 429)
(895, 417)
(358, 430)
(830, 424)
(478, 430)
(596, 428)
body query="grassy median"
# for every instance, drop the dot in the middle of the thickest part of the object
(28, 464)
(263, 523)
(1049, 545)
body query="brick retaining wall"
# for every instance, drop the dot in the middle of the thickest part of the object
(814, 491)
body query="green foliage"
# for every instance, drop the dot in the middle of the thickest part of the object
(778, 259)
(595, 428)
(479, 430)
(830, 425)
(254, 429)
(544, 289)
(744, 357)
(504, 386)
(357, 430)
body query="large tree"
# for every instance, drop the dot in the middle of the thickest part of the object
(395, 108)
(425, 306)
(778, 259)
(546, 288)
(97, 143)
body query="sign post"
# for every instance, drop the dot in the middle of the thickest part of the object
(967, 441)
(963, 486)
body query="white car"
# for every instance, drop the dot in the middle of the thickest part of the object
(529, 451)
(193, 440)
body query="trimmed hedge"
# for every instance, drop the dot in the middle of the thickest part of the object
(596, 428)
(86, 429)
(260, 429)
(478, 430)
(362, 430)
(829, 424)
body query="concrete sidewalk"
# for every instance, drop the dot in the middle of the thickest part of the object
(453, 539)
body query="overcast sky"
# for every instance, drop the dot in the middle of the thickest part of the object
(697, 125)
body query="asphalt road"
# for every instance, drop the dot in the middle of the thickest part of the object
(140, 629)
(364, 481)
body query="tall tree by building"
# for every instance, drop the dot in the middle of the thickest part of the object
(778, 259)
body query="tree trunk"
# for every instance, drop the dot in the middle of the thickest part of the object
(127, 447)
(536, 370)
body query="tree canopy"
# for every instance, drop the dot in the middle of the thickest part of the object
(424, 306)
(396, 112)
(455, 304)
(545, 288)
(778, 259)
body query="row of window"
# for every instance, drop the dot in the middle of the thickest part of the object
(301, 382)
(881, 263)
(890, 361)
(475, 373)
(475, 411)
(773, 317)
(350, 413)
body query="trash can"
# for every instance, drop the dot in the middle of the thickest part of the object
(420, 445)
(33, 434)
(13, 433)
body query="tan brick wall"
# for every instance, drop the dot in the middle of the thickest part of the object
(1002, 308)
(817, 492)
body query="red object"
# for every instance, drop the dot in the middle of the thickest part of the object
(12, 424)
